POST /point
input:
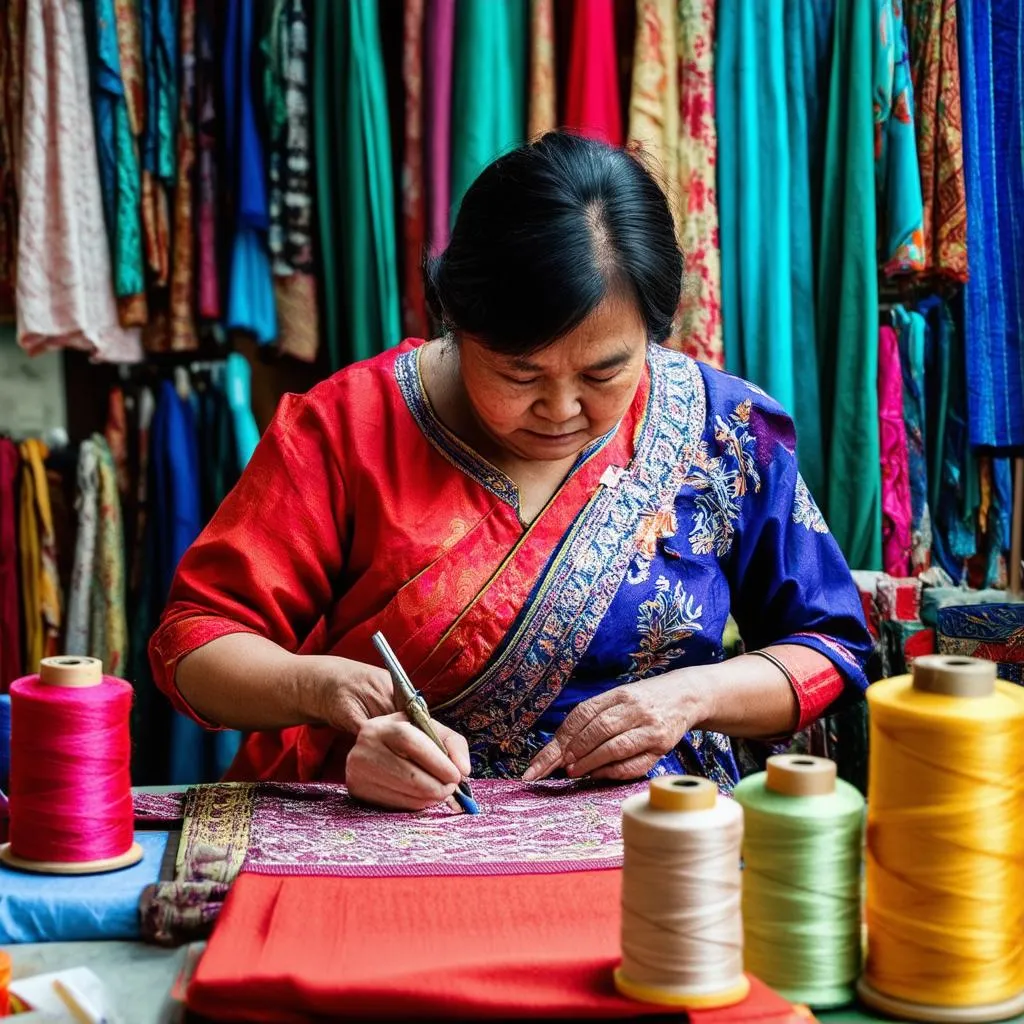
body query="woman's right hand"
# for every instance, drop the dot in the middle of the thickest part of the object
(395, 765)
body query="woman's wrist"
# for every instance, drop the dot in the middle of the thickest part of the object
(309, 683)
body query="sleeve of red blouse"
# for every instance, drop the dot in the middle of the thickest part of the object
(270, 557)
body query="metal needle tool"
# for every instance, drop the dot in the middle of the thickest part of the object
(408, 699)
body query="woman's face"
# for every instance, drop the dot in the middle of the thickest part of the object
(551, 404)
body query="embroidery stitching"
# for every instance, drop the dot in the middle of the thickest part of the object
(664, 623)
(805, 512)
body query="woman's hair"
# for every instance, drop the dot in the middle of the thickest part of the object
(544, 234)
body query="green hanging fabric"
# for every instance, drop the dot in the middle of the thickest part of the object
(847, 313)
(355, 192)
(490, 84)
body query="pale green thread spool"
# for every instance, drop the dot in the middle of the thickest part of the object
(802, 880)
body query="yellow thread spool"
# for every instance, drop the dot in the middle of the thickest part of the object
(682, 936)
(945, 844)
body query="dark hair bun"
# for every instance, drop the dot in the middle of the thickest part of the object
(544, 234)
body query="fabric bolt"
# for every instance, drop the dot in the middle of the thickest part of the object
(768, 81)
(133, 73)
(592, 104)
(489, 78)
(486, 941)
(901, 643)
(160, 57)
(64, 292)
(208, 132)
(76, 638)
(911, 328)
(896, 506)
(994, 632)
(897, 175)
(250, 302)
(847, 296)
(41, 595)
(108, 628)
(438, 58)
(115, 432)
(991, 37)
(935, 598)
(592, 607)
(415, 323)
(899, 600)
(994, 510)
(12, 35)
(54, 908)
(11, 667)
(867, 586)
(542, 113)
(952, 464)
(699, 330)
(118, 164)
(935, 70)
(286, 95)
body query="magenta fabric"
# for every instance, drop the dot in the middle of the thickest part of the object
(10, 602)
(437, 76)
(896, 510)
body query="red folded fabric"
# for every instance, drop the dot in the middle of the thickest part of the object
(494, 947)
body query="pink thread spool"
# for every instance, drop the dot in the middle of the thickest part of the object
(71, 797)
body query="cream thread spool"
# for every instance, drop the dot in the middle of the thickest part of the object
(682, 936)
(803, 832)
(70, 672)
(935, 679)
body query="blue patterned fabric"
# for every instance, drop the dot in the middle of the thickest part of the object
(712, 516)
(991, 78)
(994, 632)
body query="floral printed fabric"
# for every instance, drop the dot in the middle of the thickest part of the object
(935, 67)
(414, 199)
(672, 120)
(897, 179)
(542, 114)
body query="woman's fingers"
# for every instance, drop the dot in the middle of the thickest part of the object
(619, 746)
(632, 768)
(405, 740)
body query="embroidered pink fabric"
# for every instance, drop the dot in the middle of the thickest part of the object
(523, 828)
(896, 515)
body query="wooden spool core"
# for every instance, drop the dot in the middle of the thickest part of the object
(953, 675)
(682, 793)
(800, 775)
(73, 672)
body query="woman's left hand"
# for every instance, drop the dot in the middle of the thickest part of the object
(623, 733)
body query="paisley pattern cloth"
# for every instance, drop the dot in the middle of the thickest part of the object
(935, 68)
(12, 36)
(994, 632)
(542, 113)
(64, 294)
(900, 210)
(414, 197)
(895, 464)
(671, 120)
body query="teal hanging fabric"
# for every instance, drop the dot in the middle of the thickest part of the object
(847, 295)
(355, 190)
(770, 131)
(489, 115)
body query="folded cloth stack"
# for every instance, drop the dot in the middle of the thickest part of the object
(991, 631)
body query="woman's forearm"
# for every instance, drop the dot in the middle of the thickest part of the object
(244, 681)
(746, 697)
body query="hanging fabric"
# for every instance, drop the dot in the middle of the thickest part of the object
(12, 35)
(896, 506)
(11, 665)
(489, 82)
(251, 288)
(160, 59)
(592, 102)
(414, 199)
(41, 596)
(286, 94)
(542, 113)
(238, 391)
(991, 43)
(355, 191)
(935, 70)
(208, 130)
(439, 31)
(847, 294)
(64, 291)
(770, 125)
(897, 178)
(118, 162)
(671, 120)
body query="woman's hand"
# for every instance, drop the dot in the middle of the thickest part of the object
(345, 694)
(395, 765)
(623, 733)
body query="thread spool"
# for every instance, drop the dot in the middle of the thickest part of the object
(803, 831)
(5, 739)
(70, 798)
(5, 984)
(682, 938)
(945, 873)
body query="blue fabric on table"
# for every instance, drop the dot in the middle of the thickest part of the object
(72, 908)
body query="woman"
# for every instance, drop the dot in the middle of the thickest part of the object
(547, 514)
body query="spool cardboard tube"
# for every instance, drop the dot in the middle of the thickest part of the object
(71, 670)
(954, 675)
(800, 775)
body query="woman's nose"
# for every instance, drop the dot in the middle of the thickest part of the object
(559, 405)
